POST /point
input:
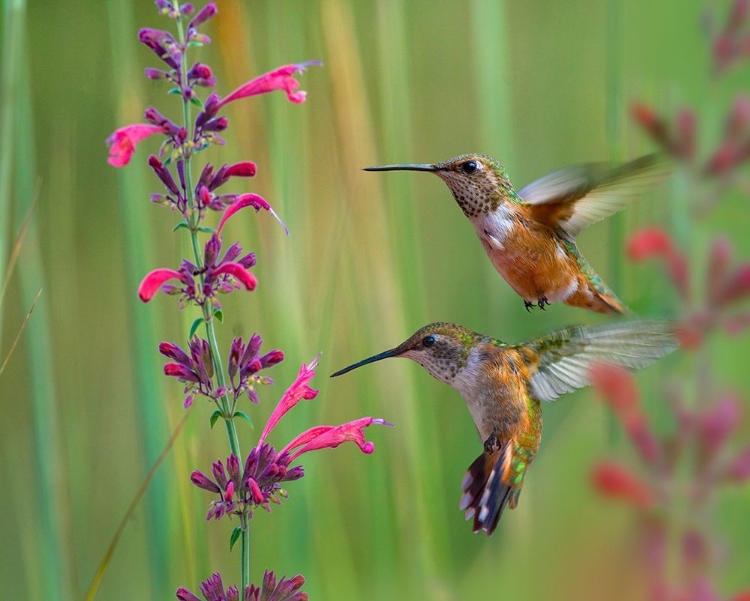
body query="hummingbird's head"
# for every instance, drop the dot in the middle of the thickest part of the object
(478, 182)
(441, 348)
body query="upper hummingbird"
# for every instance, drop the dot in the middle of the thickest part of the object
(530, 235)
(503, 385)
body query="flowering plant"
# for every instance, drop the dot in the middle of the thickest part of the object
(201, 280)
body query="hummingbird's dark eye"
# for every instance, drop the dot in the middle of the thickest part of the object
(428, 341)
(469, 167)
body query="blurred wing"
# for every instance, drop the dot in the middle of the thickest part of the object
(575, 197)
(566, 356)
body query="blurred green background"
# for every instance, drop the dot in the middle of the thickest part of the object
(371, 258)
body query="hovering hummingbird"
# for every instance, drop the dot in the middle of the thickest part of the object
(503, 385)
(530, 235)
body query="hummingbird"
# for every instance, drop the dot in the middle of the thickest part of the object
(503, 386)
(530, 235)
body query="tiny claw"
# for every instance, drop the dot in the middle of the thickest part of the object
(542, 302)
(529, 305)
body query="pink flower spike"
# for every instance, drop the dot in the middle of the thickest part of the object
(123, 141)
(349, 432)
(280, 79)
(248, 200)
(736, 287)
(247, 279)
(295, 393)
(153, 281)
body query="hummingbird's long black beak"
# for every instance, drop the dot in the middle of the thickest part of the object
(384, 355)
(404, 167)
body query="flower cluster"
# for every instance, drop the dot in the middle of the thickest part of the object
(679, 138)
(259, 482)
(245, 361)
(724, 286)
(730, 43)
(213, 589)
(702, 436)
(196, 369)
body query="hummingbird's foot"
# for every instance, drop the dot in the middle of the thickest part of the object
(491, 444)
(529, 305)
(542, 302)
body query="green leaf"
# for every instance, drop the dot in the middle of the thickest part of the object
(244, 416)
(219, 315)
(194, 44)
(214, 417)
(194, 327)
(174, 91)
(196, 102)
(207, 230)
(180, 225)
(235, 535)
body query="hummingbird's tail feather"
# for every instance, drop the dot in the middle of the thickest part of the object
(486, 492)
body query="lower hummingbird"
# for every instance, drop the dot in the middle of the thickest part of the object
(530, 235)
(503, 385)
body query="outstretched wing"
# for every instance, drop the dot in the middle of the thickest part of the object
(575, 197)
(565, 357)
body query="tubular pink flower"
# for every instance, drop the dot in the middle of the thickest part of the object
(247, 279)
(243, 169)
(295, 393)
(153, 281)
(248, 200)
(280, 79)
(616, 481)
(349, 432)
(655, 242)
(123, 141)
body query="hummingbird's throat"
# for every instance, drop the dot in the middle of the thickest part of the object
(476, 196)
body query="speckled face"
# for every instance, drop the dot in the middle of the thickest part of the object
(478, 182)
(441, 348)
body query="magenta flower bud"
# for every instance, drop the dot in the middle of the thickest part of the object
(739, 118)
(163, 174)
(234, 357)
(180, 372)
(205, 196)
(271, 358)
(248, 261)
(185, 595)
(154, 74)
(206, 13)
(255, 491)
(202, 481)
(229, 492)
(216, 124)
(233, 466)
(217, 469)
(244, 169)
(212, 249)
(201, 75)
(187, 9)
(174, 352)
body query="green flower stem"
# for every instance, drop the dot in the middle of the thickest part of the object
(226, 407)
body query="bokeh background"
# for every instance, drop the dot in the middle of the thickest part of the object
(371, 258)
